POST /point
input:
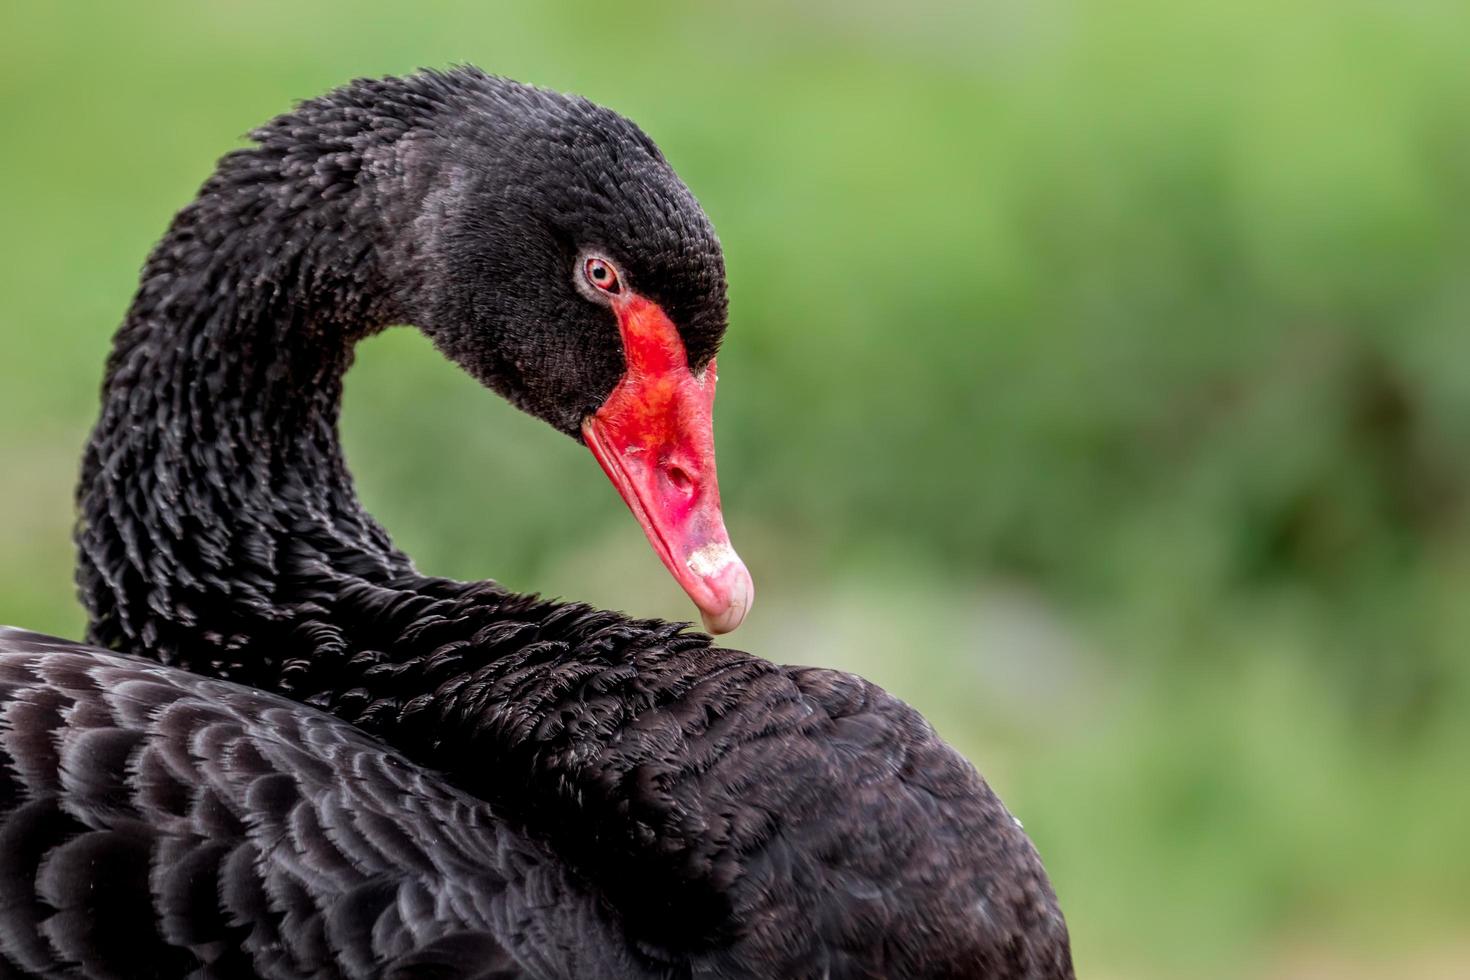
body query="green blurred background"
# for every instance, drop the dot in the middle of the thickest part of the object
(1098, 380)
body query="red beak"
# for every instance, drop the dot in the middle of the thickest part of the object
(654, 437)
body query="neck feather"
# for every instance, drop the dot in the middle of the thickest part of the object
(215, 469)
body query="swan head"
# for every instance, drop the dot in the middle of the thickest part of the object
(561, 261)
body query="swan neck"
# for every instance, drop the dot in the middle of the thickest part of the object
(214, 483)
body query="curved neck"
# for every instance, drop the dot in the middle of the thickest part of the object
(214, 476)
(220, 531)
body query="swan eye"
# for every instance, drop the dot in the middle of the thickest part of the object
(600, 274)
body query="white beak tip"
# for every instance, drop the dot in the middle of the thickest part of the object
(741, 592)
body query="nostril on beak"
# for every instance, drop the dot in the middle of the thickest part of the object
(680, 479)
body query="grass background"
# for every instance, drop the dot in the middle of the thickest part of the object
(1098, 381)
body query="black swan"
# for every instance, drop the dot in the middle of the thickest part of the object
(298, 757)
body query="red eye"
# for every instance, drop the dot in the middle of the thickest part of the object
(601, 274)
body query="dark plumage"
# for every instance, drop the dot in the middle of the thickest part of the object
(160, 824)
(598, 796)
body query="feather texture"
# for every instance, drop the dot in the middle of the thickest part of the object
(425, 777)
(156, 823)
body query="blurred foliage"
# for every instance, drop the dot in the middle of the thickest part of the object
(1097, 380)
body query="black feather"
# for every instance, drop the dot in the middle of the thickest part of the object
(108, 884)
(501, 786)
